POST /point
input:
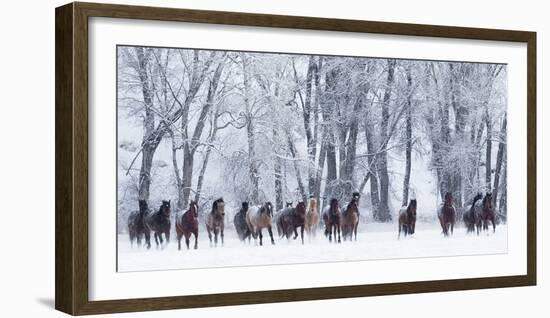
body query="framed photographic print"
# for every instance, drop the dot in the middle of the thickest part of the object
(219, 158)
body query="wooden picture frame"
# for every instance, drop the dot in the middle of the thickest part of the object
(71, 221)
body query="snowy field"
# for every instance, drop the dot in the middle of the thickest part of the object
(374, 241)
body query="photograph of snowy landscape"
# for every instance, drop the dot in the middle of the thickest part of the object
(231, 158)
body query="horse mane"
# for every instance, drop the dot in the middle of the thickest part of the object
(476, 198)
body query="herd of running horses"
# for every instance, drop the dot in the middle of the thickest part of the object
(249, 221)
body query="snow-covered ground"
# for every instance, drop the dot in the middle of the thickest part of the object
(375, 241)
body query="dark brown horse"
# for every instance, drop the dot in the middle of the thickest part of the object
(407, 219)
(447, 215)
(350, 218)
(136, 225)
(469, 216)
(333, 219)
(215, 221)
(240, 223)
(159, 223)
(290, 219)
(486, 213)
(188, 224)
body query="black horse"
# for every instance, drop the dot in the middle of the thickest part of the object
(159, 222)
(240, 222)
(469, 216)
(136, 225)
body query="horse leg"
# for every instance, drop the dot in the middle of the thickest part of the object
(209, 235)
(148, 239)
(339, 241)
(302, 233)
(179, 242)
(494, 224)
(271, 235)
(196, 240)
(261, 236)
(329, 233)
(167, 234)
(221, 234)
(187, 236)
(155, 235)
(355, 230)
(215, 237)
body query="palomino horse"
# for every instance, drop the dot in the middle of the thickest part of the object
(407, 219)
(240, 222)
(350, 218)
(136, 225)
(469, 216)
(258, 218)
(159, 223)
(215, 221)
(485, 212)
(447, 215)
(188, 224)
(289, 219)
(332, 218)
(312, 218)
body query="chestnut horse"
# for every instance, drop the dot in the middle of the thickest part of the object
(312, 218)
(469, 216)
(188, 224)
(215, 221)
(240, 222)
(407, 219)
(332, 218)
(136, 225)
(485, 213)
(159, 223)
(258, 218)
(447, 215)
(350, 218)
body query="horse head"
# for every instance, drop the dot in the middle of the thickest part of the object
(218, 207)
(194, 208)
(301, 208)
(333, 206)
(245, 206)
(312, 203)
(267, 208)
(165, 208)
(355, 197)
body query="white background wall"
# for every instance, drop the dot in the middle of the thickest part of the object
(27, 157)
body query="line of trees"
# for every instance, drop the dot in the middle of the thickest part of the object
(285, 127)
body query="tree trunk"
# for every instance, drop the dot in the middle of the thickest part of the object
(148, 147)
(277, 170)
(488, 150)
(292, 150)
(371, 174)
(252, 167)
(329, 105)
(502, 206)
(500, 157)
(408, 146)
(384, 214)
